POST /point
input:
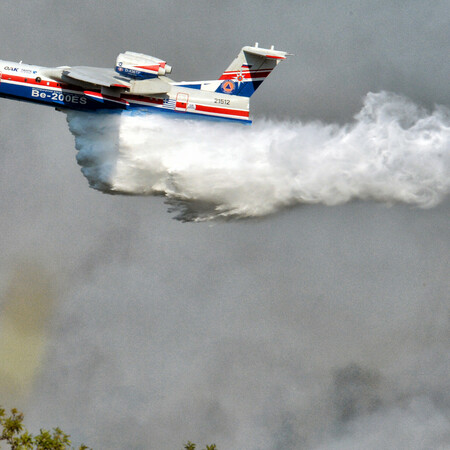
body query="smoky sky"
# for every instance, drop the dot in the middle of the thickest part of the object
(342, 50)
(319, 327)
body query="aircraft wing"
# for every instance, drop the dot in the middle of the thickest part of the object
(97, 76)
(110, 79)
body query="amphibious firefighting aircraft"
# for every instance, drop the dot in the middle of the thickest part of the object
(140, 82)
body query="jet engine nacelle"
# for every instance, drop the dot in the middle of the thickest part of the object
(139, 66)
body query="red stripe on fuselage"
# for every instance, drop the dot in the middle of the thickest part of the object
(29, 80)
(43, 84)
(215, 110)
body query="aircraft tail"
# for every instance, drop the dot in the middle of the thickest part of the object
(251, 67)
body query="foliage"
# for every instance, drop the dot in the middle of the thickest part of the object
(191, 446)
(18, 438)
(13, 433)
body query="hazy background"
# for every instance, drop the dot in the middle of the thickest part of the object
(321, 327)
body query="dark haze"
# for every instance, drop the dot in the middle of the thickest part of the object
(321, 327)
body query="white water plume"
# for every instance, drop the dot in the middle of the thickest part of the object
(394, 151)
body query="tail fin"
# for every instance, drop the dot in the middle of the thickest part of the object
(251, 67)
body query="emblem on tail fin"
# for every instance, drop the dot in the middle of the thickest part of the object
(227, 87)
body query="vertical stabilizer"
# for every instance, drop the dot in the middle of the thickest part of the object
(250, 68)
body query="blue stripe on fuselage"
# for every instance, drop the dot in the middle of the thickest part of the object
(51, 97)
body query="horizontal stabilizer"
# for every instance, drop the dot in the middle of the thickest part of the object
(265, 52)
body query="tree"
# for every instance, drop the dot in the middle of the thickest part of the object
(13, 433)
(191, 446)
(18, 438)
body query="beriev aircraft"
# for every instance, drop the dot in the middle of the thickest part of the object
(140, 82)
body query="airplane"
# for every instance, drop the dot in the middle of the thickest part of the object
(140, 82)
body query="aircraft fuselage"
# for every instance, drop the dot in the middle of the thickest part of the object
(29, 83)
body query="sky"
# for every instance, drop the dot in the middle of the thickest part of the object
(314, 327)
